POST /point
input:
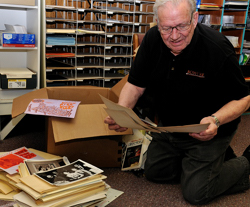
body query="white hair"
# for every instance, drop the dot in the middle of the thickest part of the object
(160, 3)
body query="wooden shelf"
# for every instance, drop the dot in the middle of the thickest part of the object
(230, 22)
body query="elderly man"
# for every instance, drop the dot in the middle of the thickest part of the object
(192, 74)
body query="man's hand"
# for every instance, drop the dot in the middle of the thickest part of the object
(209, 133)
(113, 126)
(128, 98)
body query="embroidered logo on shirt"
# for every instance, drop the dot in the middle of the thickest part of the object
(196, 74)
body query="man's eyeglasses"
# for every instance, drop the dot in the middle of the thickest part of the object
(180, 27)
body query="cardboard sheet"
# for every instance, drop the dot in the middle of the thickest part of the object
(126, 117)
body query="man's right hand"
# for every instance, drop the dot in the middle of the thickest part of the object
(128, 98)
(113, 126)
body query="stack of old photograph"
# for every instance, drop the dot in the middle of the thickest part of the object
(33, 178)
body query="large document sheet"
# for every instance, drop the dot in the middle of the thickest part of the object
(126, 117)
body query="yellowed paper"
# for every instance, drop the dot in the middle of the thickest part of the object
(45, 155)
(72, 192)
(5, 188)
(8, 197)
(43, 187)
(14, 177)
(23, 171)
(62, 202)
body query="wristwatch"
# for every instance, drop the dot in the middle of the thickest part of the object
(217, 122)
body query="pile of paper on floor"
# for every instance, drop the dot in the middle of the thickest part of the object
(56, 182)
(8, 187)
(9, 175)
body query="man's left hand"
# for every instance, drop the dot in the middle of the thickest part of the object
(209, 133)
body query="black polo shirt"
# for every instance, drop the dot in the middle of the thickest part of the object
(194, 84)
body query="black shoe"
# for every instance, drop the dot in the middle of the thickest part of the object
(246, 153)
(229, 154)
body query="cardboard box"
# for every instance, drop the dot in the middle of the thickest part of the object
(86, 136)
(18, 40)
(18, 2)
(17, 78)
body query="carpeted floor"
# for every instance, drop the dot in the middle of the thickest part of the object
(138, 192)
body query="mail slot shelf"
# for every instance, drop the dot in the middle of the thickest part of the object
(60, 83)
(110, 82)
(89, 73)
(91, 82)
(56, 75)
(103, 31)
(56, 63)
(94, 81)
(118, 62)
(114, 74)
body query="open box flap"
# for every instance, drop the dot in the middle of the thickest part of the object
(88, 122)
(20, 103)
(85, 94)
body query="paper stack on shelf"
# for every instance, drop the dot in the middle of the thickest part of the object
(64, 31)
(59, 7)
(11, 78)
(17, 36)
(54, 181)
(210, 6)
(89, 31)
(18, 29)
(60, 40)
(234, 40)
(59, 54)
(17, 72)
(236, 5)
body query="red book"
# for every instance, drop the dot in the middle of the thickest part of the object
(18, 45)
(58, 54)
